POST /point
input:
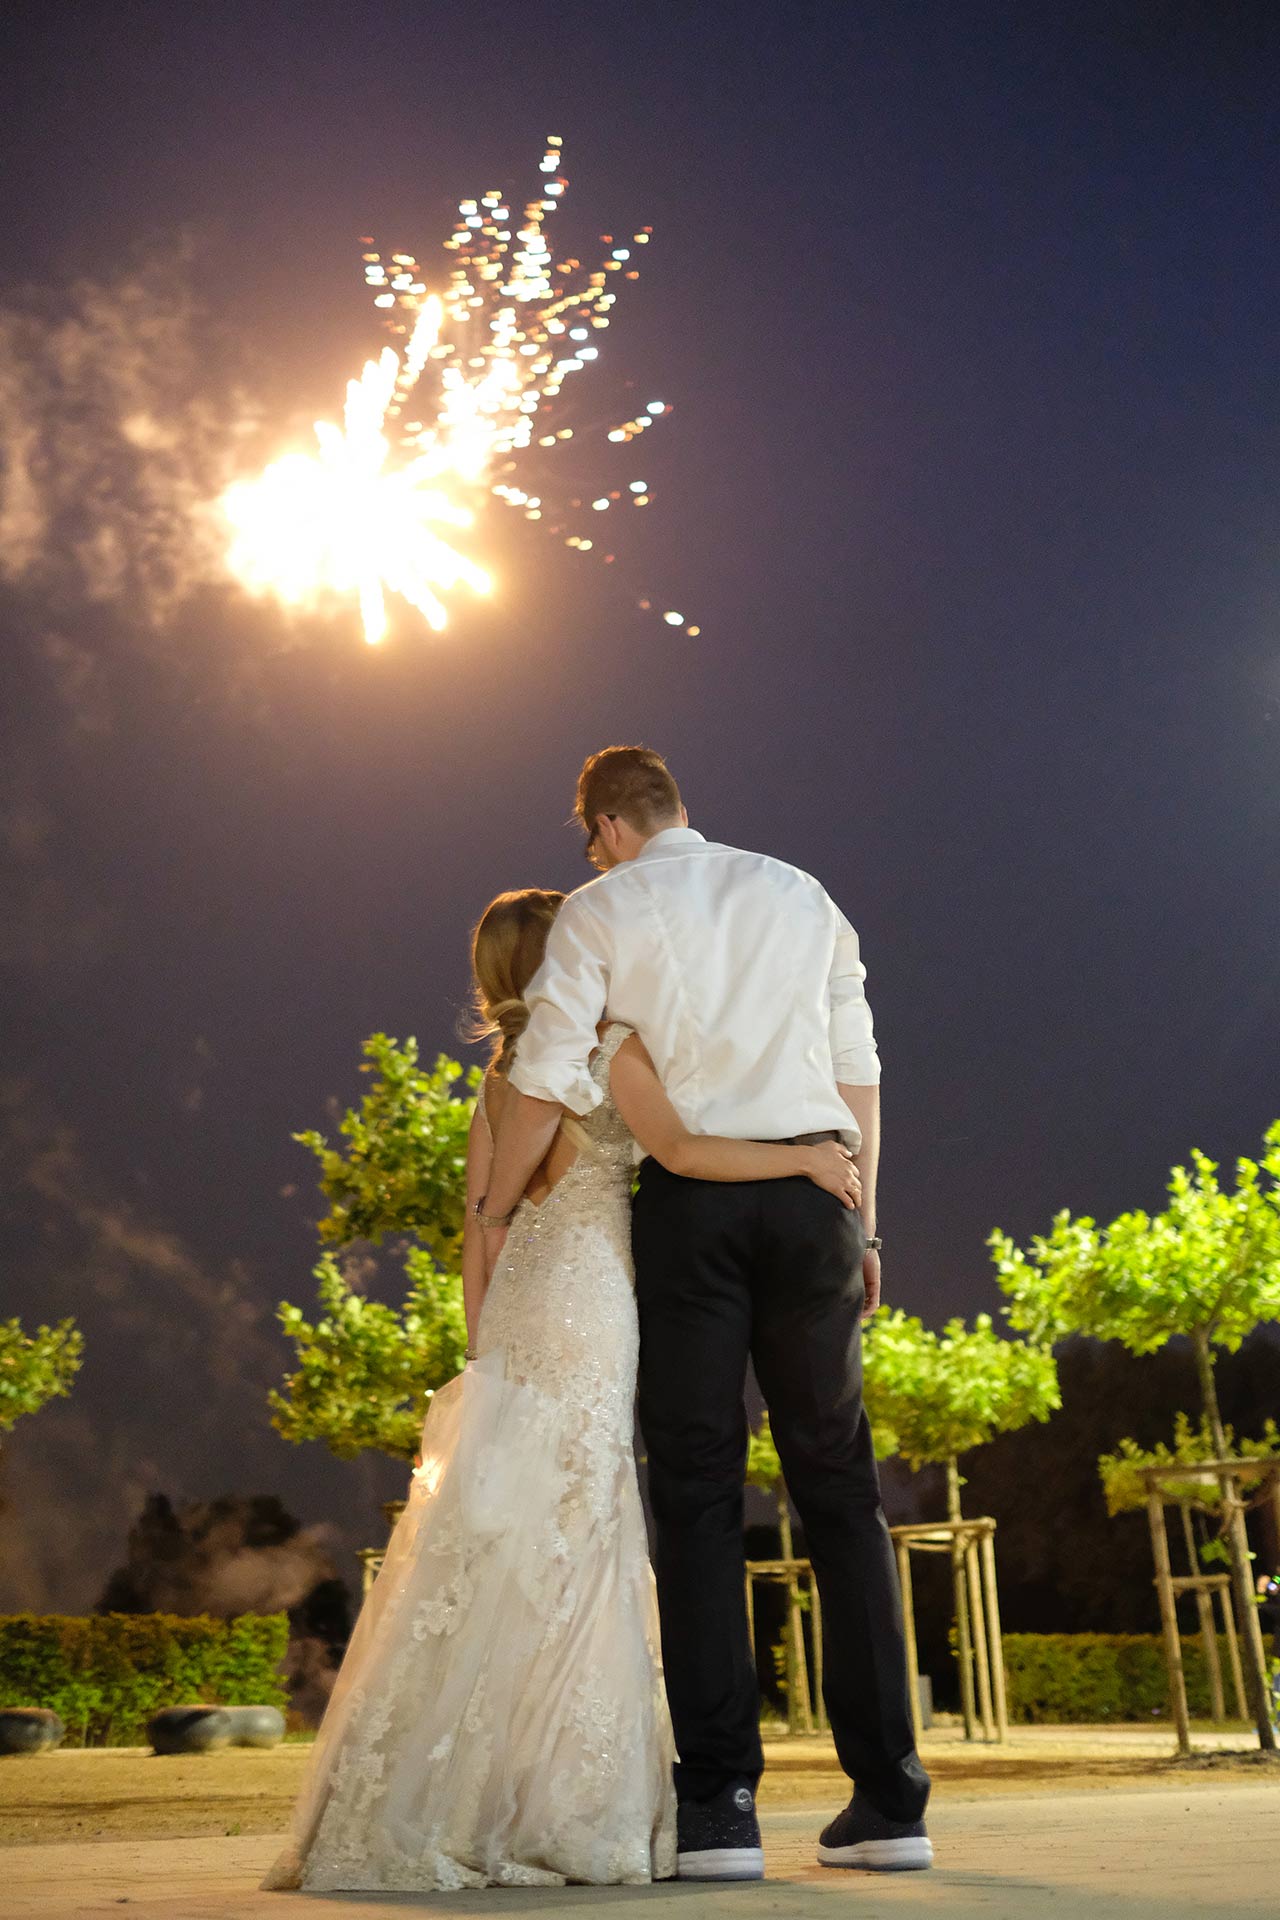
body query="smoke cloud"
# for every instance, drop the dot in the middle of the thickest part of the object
(234, 1555)
(226, 1556)
(117, 431)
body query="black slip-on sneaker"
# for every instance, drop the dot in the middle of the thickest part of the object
(861, 1837)
(719, 1839)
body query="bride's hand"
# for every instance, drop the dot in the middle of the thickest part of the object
(831, 1166)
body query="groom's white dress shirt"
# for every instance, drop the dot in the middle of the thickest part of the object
(739, 973)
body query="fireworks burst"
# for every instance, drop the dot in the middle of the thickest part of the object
(433, 429)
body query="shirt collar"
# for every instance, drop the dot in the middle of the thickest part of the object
(671, 837)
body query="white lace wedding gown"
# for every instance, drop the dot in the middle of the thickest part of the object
(499, 1718)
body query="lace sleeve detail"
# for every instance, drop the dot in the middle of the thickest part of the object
(614, 1035)
(602, 1059)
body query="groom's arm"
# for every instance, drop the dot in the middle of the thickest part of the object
(864, 1104)
(566, 1000)
(856, 1061)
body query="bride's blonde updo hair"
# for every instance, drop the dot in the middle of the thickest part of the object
(506, 951)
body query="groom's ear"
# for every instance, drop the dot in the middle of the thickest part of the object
(684, 816)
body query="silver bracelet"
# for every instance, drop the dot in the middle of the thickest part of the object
(491, 1219)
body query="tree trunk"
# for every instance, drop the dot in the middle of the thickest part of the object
(1237, 1533)
(1208, 1632)
(1209, 1389)
(799, 1703)
(964, 1639)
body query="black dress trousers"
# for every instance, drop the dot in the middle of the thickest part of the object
(770, 1270)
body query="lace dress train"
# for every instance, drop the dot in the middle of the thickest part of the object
(499, 1718)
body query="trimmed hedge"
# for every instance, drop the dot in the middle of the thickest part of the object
(1093, 1677)
(105, 1675)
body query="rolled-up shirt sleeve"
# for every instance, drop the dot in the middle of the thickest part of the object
(566, 999)
(853, 1047)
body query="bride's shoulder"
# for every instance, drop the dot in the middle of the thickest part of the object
(491, 1097)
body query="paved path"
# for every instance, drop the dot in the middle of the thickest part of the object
(1178, 1853)
(121, 1793)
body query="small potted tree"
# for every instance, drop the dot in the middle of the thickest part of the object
(932, 1397)
(1206, 1269)
(366, 1370)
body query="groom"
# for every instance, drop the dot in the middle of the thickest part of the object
(743, 980)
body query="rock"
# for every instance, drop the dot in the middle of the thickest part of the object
(29, 1730)
(190, 1730)
(256, 1726)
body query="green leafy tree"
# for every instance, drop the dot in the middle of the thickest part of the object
(404, 1166)
(1206, 1268)
(1121, 1472)
(1126, 1491)
(934, 1396)
(764, 1470)
(366, 1370)
(36, 1367)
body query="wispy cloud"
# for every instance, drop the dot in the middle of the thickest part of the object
(67, 1503)
(143, 1271)
(179, 1353)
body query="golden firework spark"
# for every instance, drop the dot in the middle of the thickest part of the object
(431, 430)
(344, 521)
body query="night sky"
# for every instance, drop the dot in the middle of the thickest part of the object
(968, 315)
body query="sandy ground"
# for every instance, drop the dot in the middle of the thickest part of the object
(1172, 1852)
(101, 1795)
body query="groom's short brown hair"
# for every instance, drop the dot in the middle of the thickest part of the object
(632, 782)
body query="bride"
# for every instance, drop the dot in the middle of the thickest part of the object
(499, 1718)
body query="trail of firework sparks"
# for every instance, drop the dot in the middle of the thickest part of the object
(430, 430)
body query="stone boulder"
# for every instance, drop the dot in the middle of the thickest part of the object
(256, 1726)
(29, 1730)
(194, 1729)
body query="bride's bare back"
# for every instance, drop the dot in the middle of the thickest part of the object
(561, 1155)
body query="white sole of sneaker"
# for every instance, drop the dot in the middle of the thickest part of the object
(881, 1856)
(721, 1863)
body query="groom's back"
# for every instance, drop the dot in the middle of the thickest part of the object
(743, 979)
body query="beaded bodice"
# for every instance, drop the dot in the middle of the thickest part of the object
(559, 1305)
